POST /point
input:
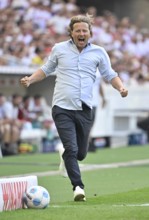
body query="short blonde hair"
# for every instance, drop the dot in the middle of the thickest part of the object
(81, 18)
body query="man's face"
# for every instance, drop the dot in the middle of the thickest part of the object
(80, 34)
(17, 100)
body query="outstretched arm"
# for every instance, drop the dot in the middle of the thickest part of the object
(117, 84)
(35, 77)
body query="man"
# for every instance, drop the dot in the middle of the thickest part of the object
(5, 123)
(75, 62)
(9, 124)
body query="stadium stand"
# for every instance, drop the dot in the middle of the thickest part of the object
(30, 28)
(26, 27)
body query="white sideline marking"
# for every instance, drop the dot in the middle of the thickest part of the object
(88, 167)
(133, 205)
(65, 206)
(118, 205)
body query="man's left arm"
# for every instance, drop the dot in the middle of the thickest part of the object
(117, 84)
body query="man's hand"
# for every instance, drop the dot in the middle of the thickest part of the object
(123, 92)
(25, 81)
(35, 77)
(117, 84)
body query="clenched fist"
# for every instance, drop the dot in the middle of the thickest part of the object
(123, 92)
(25, 81)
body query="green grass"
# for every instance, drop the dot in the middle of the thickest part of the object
(112, 194)
(26, 163)
(22, 164)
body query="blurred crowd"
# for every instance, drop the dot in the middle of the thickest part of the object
(30, 28)
(28, 31)
(17, 113)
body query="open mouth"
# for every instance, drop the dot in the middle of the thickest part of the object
(81, 39)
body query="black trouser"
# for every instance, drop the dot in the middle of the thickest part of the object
(92, 147)
(73, 127)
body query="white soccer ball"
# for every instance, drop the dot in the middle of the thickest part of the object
(36, 197)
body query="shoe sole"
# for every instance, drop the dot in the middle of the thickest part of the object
(80, 198)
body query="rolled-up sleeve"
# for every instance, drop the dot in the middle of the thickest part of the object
(105, 67)
(51, 64)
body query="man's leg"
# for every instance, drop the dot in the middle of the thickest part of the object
(65, 124)
(6, 134)
(6, 139)
(62, 167)
(15, 138)
(84, 120)
(92, 147)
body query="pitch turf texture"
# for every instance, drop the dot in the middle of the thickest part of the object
(112, 194)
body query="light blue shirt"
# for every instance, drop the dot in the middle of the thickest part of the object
(76, 73)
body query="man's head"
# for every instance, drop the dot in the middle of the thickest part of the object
(16, 99)
(80, 30)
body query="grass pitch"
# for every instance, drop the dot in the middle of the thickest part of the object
(112, 194)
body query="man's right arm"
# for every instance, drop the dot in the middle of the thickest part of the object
(35, 77)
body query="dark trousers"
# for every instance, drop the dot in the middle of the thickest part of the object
(92, 147)
(73, 127)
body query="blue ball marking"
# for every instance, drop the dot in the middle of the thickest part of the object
(36, 202)
(45, 194)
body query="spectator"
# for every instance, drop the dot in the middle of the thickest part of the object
(9, 124)
(36, 112)
(4, 4)
(24, 26)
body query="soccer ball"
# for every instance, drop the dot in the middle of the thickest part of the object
(36, 197)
